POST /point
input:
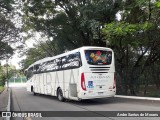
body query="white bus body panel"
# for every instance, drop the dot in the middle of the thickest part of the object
(102, 81)
(29, 83)
(47, 83)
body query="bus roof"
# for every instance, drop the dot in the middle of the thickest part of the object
(68, 52)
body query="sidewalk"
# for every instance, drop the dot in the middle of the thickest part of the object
(4, 100)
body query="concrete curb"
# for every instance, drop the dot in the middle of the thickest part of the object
(140, 98)
(9, 104)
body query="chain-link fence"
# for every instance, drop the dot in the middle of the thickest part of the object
(19, 79)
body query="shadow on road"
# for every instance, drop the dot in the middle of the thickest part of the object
(98, 101)
(101, 101)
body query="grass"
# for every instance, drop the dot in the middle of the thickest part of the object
(1, 88)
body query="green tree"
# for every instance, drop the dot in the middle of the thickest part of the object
(74, 23)
(39, 51)
(9, 34)
(2, 76)
(135, 41)
(6, 72)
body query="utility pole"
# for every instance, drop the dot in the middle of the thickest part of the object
(7, 74)
(14, 76)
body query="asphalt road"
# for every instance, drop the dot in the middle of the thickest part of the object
(21, 100)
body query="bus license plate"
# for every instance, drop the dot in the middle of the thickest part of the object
(100, 93)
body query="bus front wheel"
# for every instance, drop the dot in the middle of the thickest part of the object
(60, 95)
(32, 90)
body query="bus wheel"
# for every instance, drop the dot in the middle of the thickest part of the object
(32, 90)
(34, 93)
(60, 95)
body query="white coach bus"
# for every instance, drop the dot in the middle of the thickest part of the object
(83, 73)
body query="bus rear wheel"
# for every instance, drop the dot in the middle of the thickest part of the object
(60, 95)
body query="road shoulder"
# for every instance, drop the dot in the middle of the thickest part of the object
(4, 100)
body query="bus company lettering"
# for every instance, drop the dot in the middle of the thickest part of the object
(99, 77)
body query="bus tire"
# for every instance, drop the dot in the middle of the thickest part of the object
(34, 93)
(60, 95)
(32, 90)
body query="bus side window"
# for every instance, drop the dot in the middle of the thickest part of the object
(42, 67)
(58, 64)
(64, 62)
(71, 61)
(53, 65)
(39, 69)
(75, 60)
(36, 68)
(29, 73)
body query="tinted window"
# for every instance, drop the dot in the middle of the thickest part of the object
(36, 67)
(71, 61)
(42, 67)
(98, 57)
(50, 66)
(67, 62)
(57, 64)
(29, 73)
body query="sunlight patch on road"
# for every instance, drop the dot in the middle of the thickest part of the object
(17, 84)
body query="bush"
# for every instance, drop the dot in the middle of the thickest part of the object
(1, 88)
(2, 80)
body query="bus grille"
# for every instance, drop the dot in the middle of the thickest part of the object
(99, 69)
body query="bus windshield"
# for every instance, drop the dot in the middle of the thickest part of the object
(98, 57)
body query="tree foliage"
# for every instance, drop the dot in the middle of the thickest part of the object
(9, 34)
(69, 22)
(5, 73)
(38, 52)
(135, 39)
